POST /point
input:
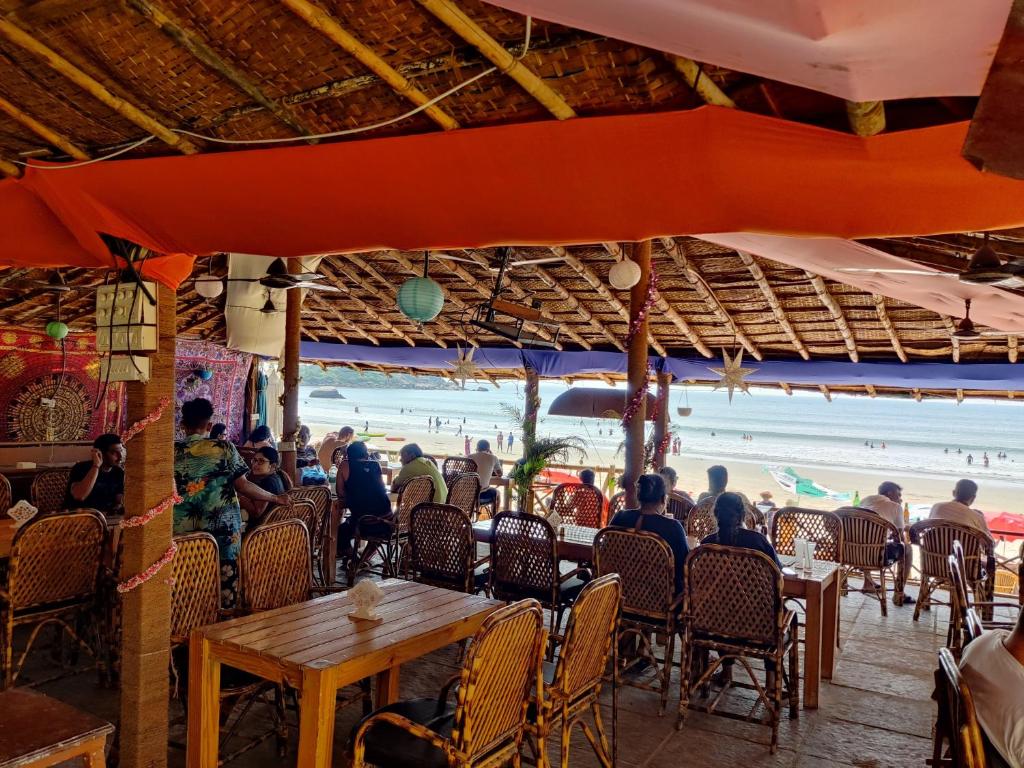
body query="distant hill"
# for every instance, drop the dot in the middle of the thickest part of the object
(341, 376)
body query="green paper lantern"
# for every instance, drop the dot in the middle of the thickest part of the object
(420, 299)
(55, 329)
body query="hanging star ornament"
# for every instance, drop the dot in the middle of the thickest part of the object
(463, 366)
(733, 374)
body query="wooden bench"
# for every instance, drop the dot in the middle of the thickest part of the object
(36, 730)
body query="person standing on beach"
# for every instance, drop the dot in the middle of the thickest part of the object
(510, 439)
(501, 441)
(466, 445)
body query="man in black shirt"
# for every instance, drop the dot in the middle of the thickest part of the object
(99, 483)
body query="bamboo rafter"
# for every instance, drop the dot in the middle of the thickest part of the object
(703, 85)
(195, 45)
(329, 269)
(773, 301)
(1011, 348)
(786, 388)
(341, 319)
(47, 134)
(700, 285)
(327, 25)
(870, 389)
(7, 168)
(837, 314)
(449, 14)
(959, 395)
(917, 395)
(953, 340)
(867, 118)
(574, 306)
(883, 317)
(62, 66)
(825, 392)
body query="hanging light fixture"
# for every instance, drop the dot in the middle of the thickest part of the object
(56, 329)
(209, 286)
(624, 275)
(420, 298)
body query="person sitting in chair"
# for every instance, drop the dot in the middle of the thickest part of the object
(587, 477)
(718, 479)
(730, 511)
(360, 487)
(887, 504)
(265, 463)
(415, 464)
(99, 482)
(487, 466)
(959, 509)
(650, 516)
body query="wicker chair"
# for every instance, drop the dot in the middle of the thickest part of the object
(701, 521)
(825, 529)
(734, 606)
(573, 685)
(454, 466)
(960, 604)
(487, 724)
(5, 494)
(49, 490)
(320, 529)
(578, 504)
(524, 564)
(274, 568)
(443, 549)
(865, 536)
(52, 578)
(464, 493)
(679, 506)
(935, 541)
(646, 566)
(956, 727)
(616, 504)
(391, 544)
(298, 509)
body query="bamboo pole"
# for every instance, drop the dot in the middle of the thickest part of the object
(1011, 348)
(837, 314)
(453, 17)
(704, 86)
(362, 306)
(292, 339)
(636, 373)
(145, 630)
(90, 85)
(340, 318)
(953, 340)
(867, 118)
(890, 329)
(786, 388)
(328, 26)
(7, 168)
(773, 302)
(573, 305)
(870, 389)
(825, 392)
(661, 420)
(44, 132)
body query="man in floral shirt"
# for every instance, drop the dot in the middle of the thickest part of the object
(209, 474)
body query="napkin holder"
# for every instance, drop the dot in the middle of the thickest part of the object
(366, 596)
(21, 513)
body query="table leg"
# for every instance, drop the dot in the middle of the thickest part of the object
(812, 645)
(204, 704)
(95, 757)
(330, 550)
(317, 701)
(386, 687)
(830, 628)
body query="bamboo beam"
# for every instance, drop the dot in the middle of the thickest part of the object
(290, 401)
(7, 168)
(786, 388)
(890, 329)
(637, 373)
(44, 132)
(703, 85)
(1011, 348)
(953, 340)
(678, 254)
(664, 379)
(364, 307)
(959, 396)
(773, 302)
(870, 390)
(330, 28)
(173, 29)
(837, 314)
(574, 306)
(867, 118)
(449, 14)
(341, 319)
(917, 395)
(825, 392)
(93, 87)
(146, 611)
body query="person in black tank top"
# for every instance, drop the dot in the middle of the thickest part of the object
(361, 489)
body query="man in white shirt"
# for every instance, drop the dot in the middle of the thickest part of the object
(959, 510)
(487, 466)
(993, 667)
(888, 505)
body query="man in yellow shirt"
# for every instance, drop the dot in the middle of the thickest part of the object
(415, 464)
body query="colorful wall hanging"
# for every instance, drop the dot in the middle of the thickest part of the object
(225, 388)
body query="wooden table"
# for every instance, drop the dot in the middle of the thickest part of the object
(577, 544)
(36, 730)
(316, 648)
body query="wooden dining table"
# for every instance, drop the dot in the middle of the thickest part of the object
(818, 588)
(317, 648)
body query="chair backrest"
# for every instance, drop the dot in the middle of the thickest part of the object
(616, 503)
(56, 559)
(577, 504)
(299, 509)
(935, 539)
(646, 566)
(825, 529)
(320, 497)
(5, 494)
(417, 491)
(195, 585)
(338, 454)
(679, 506)
(275, 569)
(286, 479)
(957, 714)
(454, 466)
(464, 492)
(701, 521)
(500, 676)
(49, 489)
(587, 642)
(523, 555)
(442, 545)
(973, 627)
(735, 593)
(865, 535)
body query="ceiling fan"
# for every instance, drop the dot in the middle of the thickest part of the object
(509, 265)
(966, 330)
(278, 277)
(55, 283)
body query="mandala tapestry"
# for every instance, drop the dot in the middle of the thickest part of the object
(225, 388)
(46, 398)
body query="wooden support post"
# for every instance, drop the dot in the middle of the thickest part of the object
(531, 408)
(1011, 348)
(636, 373)
(145, 629)
(661, 420)
(292, 338)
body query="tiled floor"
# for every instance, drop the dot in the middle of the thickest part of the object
(877, 711)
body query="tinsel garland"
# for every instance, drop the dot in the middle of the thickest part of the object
(640, 395)
(141, 578)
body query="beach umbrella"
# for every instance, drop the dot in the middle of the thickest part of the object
(594, 403)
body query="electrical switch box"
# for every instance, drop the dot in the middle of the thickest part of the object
(126, 318)
(124, 368)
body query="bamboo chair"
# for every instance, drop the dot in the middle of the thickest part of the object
(5, 494)
(195, 602)
(986, 607)
(734, 606)
(701, 521)
(525, 564)
(49, 490)
(616, 504)
(957, 737)
(298, 509)
(573, 685)
(935, 541)
(973, 628)
(577, 504)
(286, 479)
(679, 506)
(464, 493)
(320, 496)
(52, 578)
(865, 536)
(390, 544)
(961, 604)
(485, 728)
(825, 529)
(443, 549)
(646, 566)
(454, 466)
